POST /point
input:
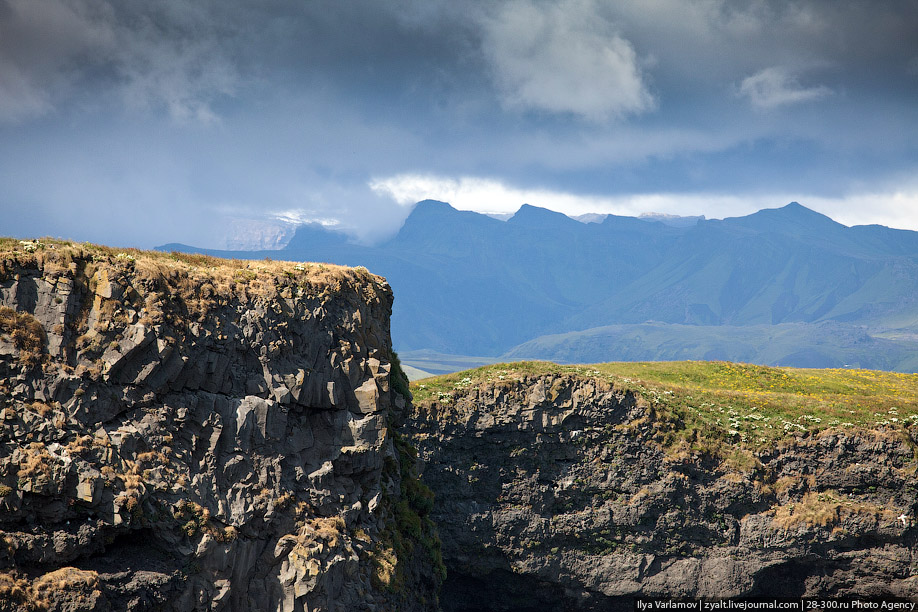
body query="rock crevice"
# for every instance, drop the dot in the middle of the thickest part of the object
(185, 433)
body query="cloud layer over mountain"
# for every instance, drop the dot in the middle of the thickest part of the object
(115, 117)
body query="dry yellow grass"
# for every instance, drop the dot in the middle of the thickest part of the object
(26, 333)
(385, 564)
(152, 283)
(79, 445)
(329, 529)
(14, 589)
(35, 460)
(64, 579)
(41, 408)
(823, 509)
(35, 595)
(201, 273)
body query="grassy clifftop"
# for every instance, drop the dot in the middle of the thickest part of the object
(597, 483)
(186, 271)
(85, 296)
(709, 406)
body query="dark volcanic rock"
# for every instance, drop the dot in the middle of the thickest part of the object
(195, 434)
(553, 492)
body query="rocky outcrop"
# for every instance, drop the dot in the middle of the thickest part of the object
(184, 433)
(557, 492)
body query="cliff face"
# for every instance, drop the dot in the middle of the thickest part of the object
(180, 432)
(185, 433)
(556, 491)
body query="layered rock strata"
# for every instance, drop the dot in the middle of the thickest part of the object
(184, 433)
(556, 492)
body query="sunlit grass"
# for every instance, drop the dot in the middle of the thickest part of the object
(178, 288)
(40, 250)
(195, 277)
(709, 404)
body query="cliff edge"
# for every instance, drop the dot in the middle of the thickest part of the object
(582, 487)
(179, 432)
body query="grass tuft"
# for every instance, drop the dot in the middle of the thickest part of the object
(26, 333)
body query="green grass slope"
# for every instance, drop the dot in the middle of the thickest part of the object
(721, 408)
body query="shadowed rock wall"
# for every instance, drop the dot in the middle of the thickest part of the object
(555, 492)
(185, 433)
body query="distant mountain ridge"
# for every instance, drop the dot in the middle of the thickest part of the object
(467, 283)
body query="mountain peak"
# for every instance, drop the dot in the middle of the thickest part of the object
(798, 210)
(538, 217)
(432, 207)
(432, 221)
(426, 212)
(795, 210)
(792, 219)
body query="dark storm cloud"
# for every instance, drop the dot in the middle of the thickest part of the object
(531, 55)
(147, 56)
(244, 107)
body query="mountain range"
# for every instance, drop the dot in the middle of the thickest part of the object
(785, 286)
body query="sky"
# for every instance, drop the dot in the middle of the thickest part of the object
(138, 122)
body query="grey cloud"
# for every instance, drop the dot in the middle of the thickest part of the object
(704, 46)
(579, 57)
(183, 76)
(775, 86)
(563, 58)
(40, 42)
(20, 97)
(148, 55)
(102, 103)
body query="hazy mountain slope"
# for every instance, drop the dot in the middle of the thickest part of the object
(476, 284)
(824, 345)
(467, 283)
(784, 266)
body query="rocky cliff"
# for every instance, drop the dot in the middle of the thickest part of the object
(562, 490)
(186, 433)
